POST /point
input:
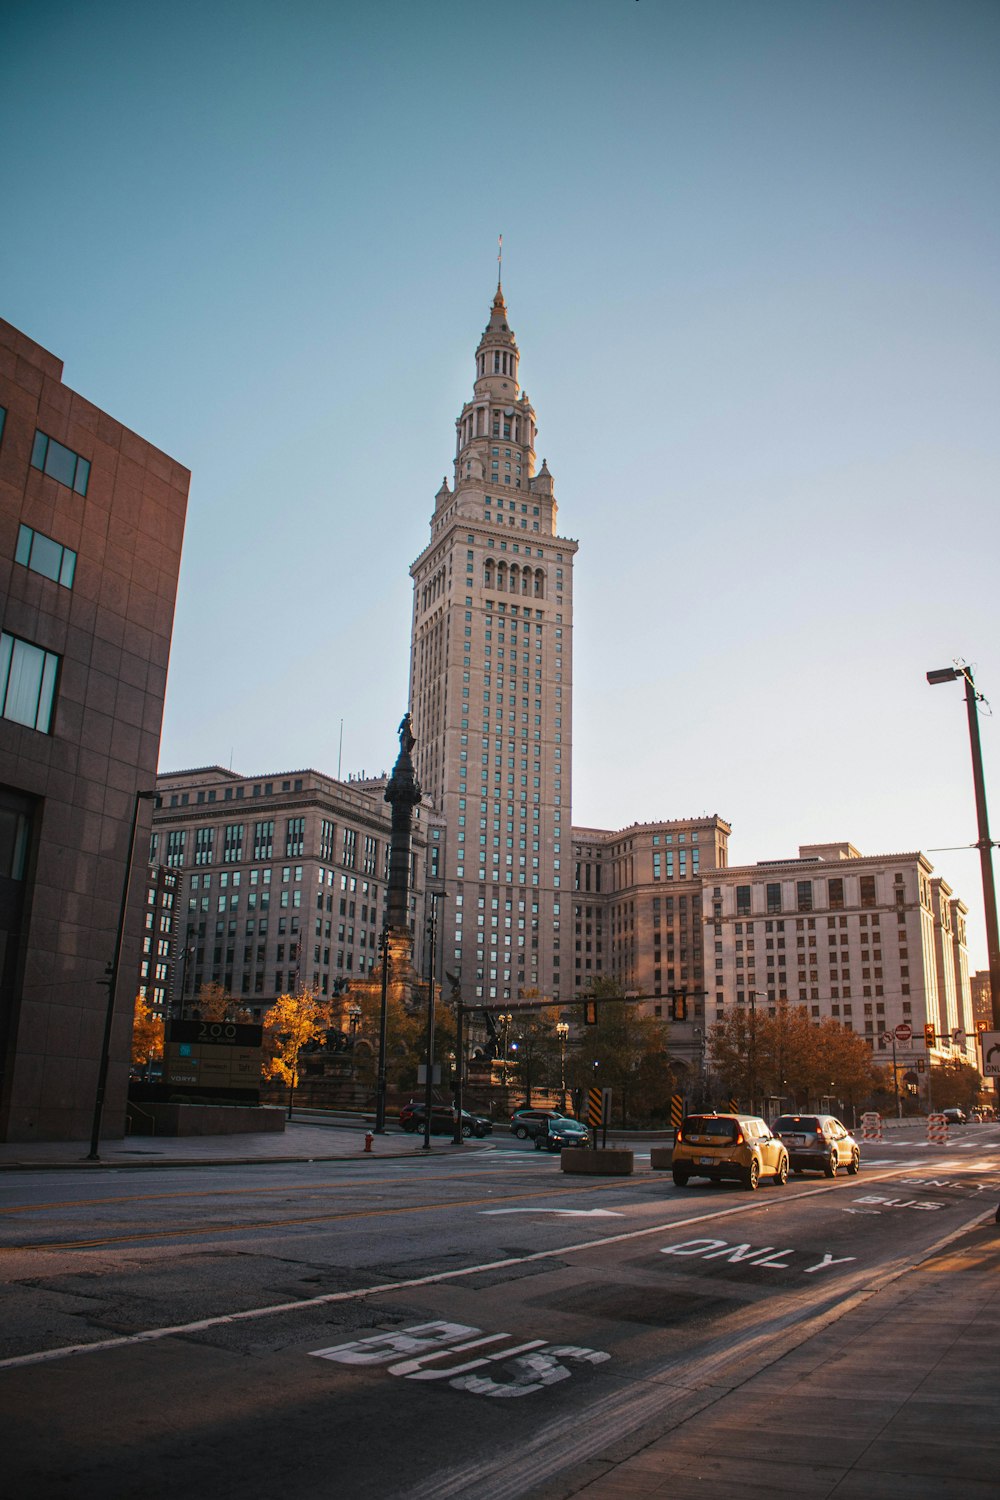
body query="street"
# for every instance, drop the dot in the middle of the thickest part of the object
(476, 1324)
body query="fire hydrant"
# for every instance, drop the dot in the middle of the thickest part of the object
(369, 1138)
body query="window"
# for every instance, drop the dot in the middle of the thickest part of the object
(175, 847)
(263, 840)
(804, 895)
(42, 555)
(836, 890)
(326, 832)
(743, 900)
(295, 833)
(868, 890)
(27, 682)
(774, 897)
(232, 847)
(60, 463)
(203, 845)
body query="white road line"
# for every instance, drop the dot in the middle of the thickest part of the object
(357, 1294)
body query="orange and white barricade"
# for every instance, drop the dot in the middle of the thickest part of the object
(871, 1126)
(937, 1130)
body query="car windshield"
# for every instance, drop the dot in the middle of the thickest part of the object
(719, 1129)
(792, 1123)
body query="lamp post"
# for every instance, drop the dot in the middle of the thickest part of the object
(505, 1019)
(112, 975)
(353, 1021)
(562, 1032)
(383, 948)
(429, 1080)
(984, 843)
(752, 1051)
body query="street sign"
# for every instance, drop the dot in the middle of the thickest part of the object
(958, 1037)
(989, 1041)
(904, 1032)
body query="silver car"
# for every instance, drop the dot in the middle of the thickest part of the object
(818, 1143)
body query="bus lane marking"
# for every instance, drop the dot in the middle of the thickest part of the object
(762, 1255)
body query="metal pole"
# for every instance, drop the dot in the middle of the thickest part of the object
(429, 1080)
(753, 1048)
(383, 944)
(113, 973)
(895, 1078)
(459, 1016)
(985, 846)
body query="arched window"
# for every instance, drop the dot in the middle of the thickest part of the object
(539, 584)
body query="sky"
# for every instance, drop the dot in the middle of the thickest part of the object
(751, 260)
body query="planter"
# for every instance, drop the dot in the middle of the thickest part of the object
(204, 1119)
(588, 1163)
(661, 1158)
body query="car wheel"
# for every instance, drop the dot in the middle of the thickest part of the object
(854, 1165)
(480, 1132)
(680, 1176)
(521, 1133)
(781, 1175)
(751, 1175)
(466, 1129)
(831, 1164)
(538, 1143)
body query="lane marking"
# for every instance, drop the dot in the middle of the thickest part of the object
(568, 1213)
(358, 1294)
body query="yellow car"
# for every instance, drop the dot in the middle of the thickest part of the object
(739, 1147)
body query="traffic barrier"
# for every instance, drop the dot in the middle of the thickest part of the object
(871, 1126)
(937, 1130)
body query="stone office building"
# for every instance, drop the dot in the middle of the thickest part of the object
(281, 883)
(491, 682)
(91, 524)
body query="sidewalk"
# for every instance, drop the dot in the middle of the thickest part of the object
(300, 1141)
(896, 1398)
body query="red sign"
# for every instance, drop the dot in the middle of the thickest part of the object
(904, 1032)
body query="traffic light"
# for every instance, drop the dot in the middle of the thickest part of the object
(921, 1065)
(590, 1012)
(982, 1025)
(929, 1034)
(679, 1007)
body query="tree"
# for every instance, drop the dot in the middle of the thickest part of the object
(535, 1045)
(216, 1004)
(147, 1034)
(293, 1022)
(955, 1082)
(626, 1051)
(790, 1057)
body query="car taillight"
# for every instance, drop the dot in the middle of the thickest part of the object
(819, 1135)
(739, 1138)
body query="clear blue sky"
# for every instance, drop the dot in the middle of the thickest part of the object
(750, 255)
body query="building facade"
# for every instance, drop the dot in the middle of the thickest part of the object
(491, 683)
(875, 942)
(281, 883)
(91, 525)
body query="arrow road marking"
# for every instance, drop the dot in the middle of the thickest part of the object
(566, 1213)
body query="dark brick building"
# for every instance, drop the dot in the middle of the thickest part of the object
(91, 525)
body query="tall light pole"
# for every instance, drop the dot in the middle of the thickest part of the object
(984, 843)
(383, 948)
(111, 979)
(562, 1032)
(429, 1081)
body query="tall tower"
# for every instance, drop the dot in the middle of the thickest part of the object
(491, 693)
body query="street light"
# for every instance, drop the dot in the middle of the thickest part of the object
(383, 948)
(505, 1019)
(112, 975)
(562, 1032)
(984, 844)
(434, 897)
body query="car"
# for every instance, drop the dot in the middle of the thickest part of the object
(718, 1147)
(975, 1116)
(411, 1118)
(954, 1115)
(526, 1123)
(818, 1143)
(560, 1132)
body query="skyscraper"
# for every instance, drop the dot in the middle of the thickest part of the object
(491, 685)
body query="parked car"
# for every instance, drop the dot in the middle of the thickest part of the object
(728, 1146)
(411, 1118)
(559, 1132)
(954, 1115)
(526, 1123)
(818, 1143)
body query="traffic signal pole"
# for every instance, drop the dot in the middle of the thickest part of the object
(985, 846)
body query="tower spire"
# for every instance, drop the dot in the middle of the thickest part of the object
(500, 263)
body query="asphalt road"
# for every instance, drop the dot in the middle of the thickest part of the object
(467, 1326)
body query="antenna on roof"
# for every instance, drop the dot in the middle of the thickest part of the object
(340, 751)
(499, 259)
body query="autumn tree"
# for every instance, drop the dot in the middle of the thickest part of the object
(534, 1046)
(292, 1023)
(214, 1003)
(788, 1056)
(147, 1034)
(955, 1083)
(626, 1051)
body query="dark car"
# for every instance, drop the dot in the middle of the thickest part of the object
(559, 1132)
(818, 1143)
(954, 1115)
(526, 1123)
(411, 1118)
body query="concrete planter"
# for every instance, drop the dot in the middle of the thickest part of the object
(204, 1119)
(661, 1158)
(588, 1163)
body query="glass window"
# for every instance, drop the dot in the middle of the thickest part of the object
(27, 682)
(43, 555)
(60, 463)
